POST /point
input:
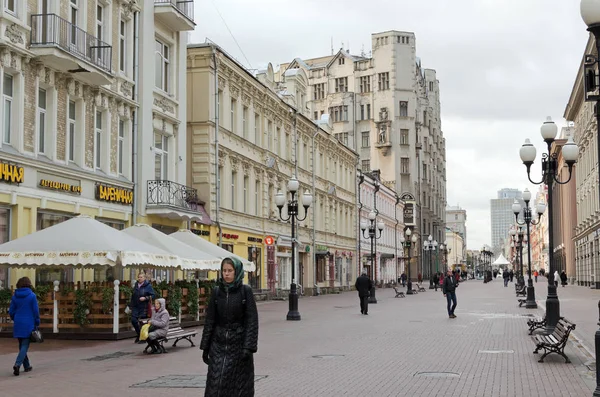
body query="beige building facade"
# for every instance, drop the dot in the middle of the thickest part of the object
(264, 137)
(386, 106)
(79, 114)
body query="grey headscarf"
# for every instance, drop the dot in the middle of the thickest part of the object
(163, 304)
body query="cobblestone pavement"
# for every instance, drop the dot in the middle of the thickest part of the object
(405, 346)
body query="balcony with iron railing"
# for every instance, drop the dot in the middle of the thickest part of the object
(68, 48)
(169, 194)
(176, 14)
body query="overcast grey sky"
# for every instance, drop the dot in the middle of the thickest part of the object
(503, 66)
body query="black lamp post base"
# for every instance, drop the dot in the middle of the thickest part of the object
(372, 298)
(431, 286)
(552, 310)
(409, 290)
(530, 302)
(293, 313)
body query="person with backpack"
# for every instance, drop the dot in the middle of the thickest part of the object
(230, 335)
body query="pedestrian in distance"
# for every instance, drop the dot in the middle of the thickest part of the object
(535, 275)
(563, 278)
(141, 303)
(556, 278)
(436, 280)
(230, 335)
(511, 274)
(505, 276)
(25, 314)
(449, 290)
(363, 285)
(403, 278)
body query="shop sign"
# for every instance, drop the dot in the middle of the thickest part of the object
(322, 248)
(114, 194)
(11, 173)
(230, 236)
(53, 182)
(200, 232)
(255, 240)
(269, 240)
(409, 213)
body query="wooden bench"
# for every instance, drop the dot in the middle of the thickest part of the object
(520, 290)
(175, 332)
(522, 302)
(420, 288)
(399, 294)
(555, 342)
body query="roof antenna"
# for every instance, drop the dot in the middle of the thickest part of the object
(331, 45)
(362, 51)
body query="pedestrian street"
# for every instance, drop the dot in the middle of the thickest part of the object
(405, 346)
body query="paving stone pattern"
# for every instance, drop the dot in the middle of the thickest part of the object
(403, 347)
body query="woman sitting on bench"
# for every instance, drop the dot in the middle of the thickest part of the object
(159, 325)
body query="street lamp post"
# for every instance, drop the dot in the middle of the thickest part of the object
(406, 243)
(488, 277)
(570, 152)
(371, 232)
(430, 245)
(528, 220)
(590, 12)
(517, 236)
(292, 215)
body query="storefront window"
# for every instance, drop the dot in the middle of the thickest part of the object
(254, 255)
(102, 274)
(4, 237)
(228, 247)
(114, 224)
(47, 276)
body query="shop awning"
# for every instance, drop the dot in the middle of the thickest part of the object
(191, 258)
(189, 238)
(83, 241)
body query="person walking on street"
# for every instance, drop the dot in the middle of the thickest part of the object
(535, 275)
(403, 278)
(436, 280)
(563, 278)
(25, 314)
(505, 276)
(141, 303)
(556, 277)
(230, 335)
(363, 285)
(511, 274)
(449, 290)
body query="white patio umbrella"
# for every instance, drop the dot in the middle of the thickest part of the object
(501, 261)
(192, 258)
(189, 238)
(83, 241)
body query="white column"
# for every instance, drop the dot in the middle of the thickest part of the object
(116, 308)
(55, 309)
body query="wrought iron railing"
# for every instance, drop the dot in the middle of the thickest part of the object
(52, 30)
(186, 7)
(172, 194)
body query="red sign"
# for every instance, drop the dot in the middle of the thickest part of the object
(269, 240)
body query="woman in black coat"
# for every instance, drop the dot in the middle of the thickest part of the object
(230, 335)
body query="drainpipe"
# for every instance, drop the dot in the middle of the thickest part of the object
(217, 174)
(396, 235)
(314, 234)
(361, 179)
(134, 130)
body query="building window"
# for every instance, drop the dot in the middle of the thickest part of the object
(404, 137)
(362, 112)
(256, 128)
(365, 165)
(122, 45)
(74, 16)
(369, 111)
(161, 157)
(319, 91)
(121, 147)
(7, 91)
(270, 135)
(341, 84)
(41, 120)
(72, 123)
(342, 137)
(232, 115)
(161, 76)
(383, 81)
(10, 6)
(100, 27)
(341, 61)
(233, 178)
(257, 198)
(405, 165)
(430, 86)
(338, 113)
(246, 187)
(403, 109)
(244, 122)
(98, 140)
(365, 139)
(365, 84)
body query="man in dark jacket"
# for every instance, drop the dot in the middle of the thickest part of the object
(143, 294)
(363, 285)
(449, 289)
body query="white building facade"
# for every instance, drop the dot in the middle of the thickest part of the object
(387, 265)
(79, 113)
(386, 107)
